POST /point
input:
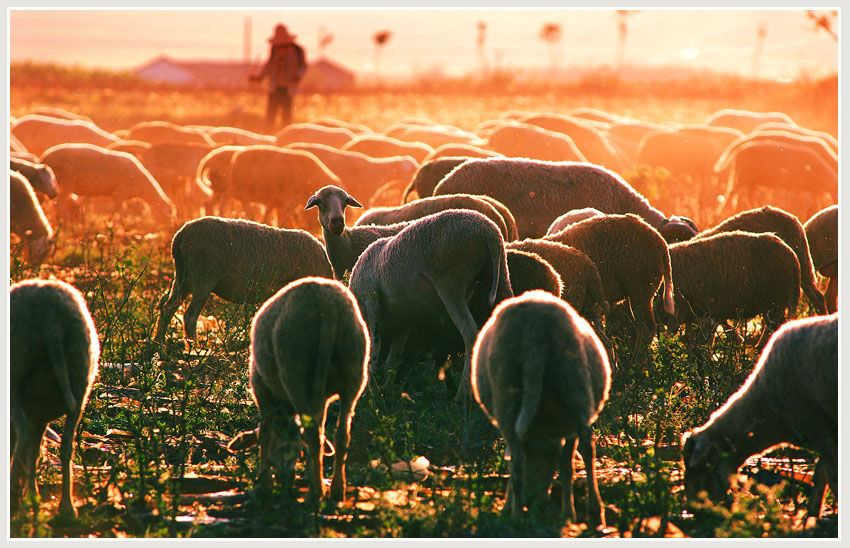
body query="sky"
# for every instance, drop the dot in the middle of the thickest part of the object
(437, 41)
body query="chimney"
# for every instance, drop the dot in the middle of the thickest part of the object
(246, 40)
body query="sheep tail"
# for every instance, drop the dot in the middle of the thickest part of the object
(669, 304)
(327, 342)
(534, 366)
(56, 355)
(499, 268)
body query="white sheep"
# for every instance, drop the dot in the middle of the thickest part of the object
(313, 133)
(309, 347)
(40, 177)
(90, 171)
(455, 149)
(791, 396)
(745, 120)
(542, 376)
(240, 261)
(570, 217)
(520, 140)
(38, 132)
(381, 146)
(159, 131)
(53, 360)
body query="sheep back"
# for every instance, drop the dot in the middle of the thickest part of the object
(822, 235)
(529, 271)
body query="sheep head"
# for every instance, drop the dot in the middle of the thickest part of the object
(707, 467)
(332, 201)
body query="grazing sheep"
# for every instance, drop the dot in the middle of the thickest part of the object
(745, 120)
(626, 135)
(18, 150)
(313, 133)
(432, 266)
(56, 112)
(238, 136)
(591, 142)
(435, 136)
(429, 174)
(38, 133)
(174, 165)
(360, 173)
(593, 115)
(787, 227)
(632, 260)
(822, 236)
(815, 144)
(538, 192)
(542, 376)
(274, 177)
(165, 132)
(582, 286)
(53, 360)
(529, 271)
(796, 177)
(92, 171)
(214, 171)
(333, 122)
(39, 176)
(827, 138)
(570, 217)
(735, 275)
(519, 140)
(426, 206)
(381, 146)
(344, 244)
(791, 396)
(27, 219)
(240, 261)
(309, 347)
(457, 149)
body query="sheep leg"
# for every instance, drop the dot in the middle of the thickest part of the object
(542, 456)
(193, 311)
(831, 295)
(169, 307)
(25, 460)
(342, 438)
(314, 434)
(815, 506)
(278, 430)
(587, 448)
(514, 493)
(66, 453)
(567, 475)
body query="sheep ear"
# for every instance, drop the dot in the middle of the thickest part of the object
(312, 202)
(351, 202)
(696, 452)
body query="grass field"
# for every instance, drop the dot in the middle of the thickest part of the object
(151, 458)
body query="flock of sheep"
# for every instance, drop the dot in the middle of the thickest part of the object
(524, 250)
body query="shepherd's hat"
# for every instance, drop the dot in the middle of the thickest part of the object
(281, 35)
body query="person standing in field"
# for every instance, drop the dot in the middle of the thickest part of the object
(285, 68)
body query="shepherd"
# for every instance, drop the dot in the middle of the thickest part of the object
(285, 68)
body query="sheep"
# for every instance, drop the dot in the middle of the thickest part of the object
(381, 146)
(429, 174)
(435, 136)
(426, 206)
(214, 170)
(40, 177)
(27, 219)
(53, 360)
(791, 396)
(632, 260)
(626, 136)
(92, 171)
(518, 140)
(313, 133)
(827, 138)
(570, 217)
(159, 131)
(593, 115)
(238, 136)
(458, 149)
(591, 142)
(333, 122)
(17, 149)
(174, 165)
(529, 271)
(745, 120)
(240, 261)
(787, 227)
(542, 376)
(274, 177)
(734, 275)
(822, 235)
(387, 194)
(432, 266)
(815, 144)
(798, 178)
(309, 347)
(344, 244)
(360, 173)
(38, 133)
(538, 192)
(582, 285)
